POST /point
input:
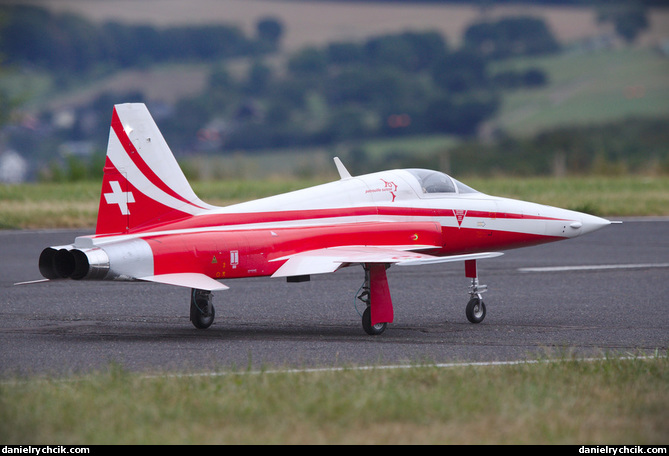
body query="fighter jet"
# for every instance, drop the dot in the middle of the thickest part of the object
(152, 227)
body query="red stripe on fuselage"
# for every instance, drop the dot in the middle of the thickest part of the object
(210, 252)
(251, 218)
(236, 254)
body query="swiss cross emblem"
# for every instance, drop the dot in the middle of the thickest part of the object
(118, 196)
(459, 215)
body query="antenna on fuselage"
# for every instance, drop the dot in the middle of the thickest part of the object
(343, 172)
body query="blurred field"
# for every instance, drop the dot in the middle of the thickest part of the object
(587, 88)
(583, 87)
(318, 22)
(75, 205)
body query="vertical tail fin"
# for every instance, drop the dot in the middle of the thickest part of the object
(143, 184)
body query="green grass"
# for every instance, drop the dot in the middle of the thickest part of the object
(598, 195)
(74, 205)
(587, 88)
(54, 205)
(612, 401)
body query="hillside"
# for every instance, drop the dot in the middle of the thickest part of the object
(313, 23)
(608, 84)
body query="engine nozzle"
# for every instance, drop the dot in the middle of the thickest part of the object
(78, 264)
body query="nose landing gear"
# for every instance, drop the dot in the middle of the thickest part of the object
(475, 309)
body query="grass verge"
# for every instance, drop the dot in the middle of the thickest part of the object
(74, 205)
(609, 401)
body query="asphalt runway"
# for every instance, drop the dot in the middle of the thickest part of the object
(542, 301)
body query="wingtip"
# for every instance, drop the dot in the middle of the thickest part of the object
(31, 282)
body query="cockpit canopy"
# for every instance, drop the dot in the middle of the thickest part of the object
(436, 182)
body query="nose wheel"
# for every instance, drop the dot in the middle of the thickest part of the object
(475, 309)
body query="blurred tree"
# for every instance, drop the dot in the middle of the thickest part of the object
(628, 17)
(389, 50)
(427, 47)
(308, 62)
(460, 72)
(535, 77)
(270, 30)
(347, 123)
(68, 43)
(6, 100)
(510, 36)
(342, 53)
(258, 78)
(410, 51)
(221, 80)
(461, 116)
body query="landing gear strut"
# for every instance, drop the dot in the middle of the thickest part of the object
(365, 296)
(202, 311)
(376, 296)
(475, 309)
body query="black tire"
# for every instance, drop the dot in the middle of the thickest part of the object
(372, 330)
(202, 313)
(475, 310)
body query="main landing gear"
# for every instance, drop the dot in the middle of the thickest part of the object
(375, 293)
(365, 296)
(378, 305)
(202, 311)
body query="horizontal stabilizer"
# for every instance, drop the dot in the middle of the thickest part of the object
(188, 280)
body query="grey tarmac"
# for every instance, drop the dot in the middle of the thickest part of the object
(601, 294)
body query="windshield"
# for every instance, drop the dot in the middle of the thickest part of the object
(436, 182)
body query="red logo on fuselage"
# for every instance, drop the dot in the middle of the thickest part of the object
(388, 186)
(459, 215)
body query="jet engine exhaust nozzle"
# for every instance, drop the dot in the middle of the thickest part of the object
(68, 262)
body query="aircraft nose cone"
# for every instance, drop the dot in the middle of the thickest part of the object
(589, 223)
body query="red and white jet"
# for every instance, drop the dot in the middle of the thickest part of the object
(152, 227)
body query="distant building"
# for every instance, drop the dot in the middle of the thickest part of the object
(13, 167)
(663, 47)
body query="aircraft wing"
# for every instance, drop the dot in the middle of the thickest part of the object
(330, 259)
(450, 258)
